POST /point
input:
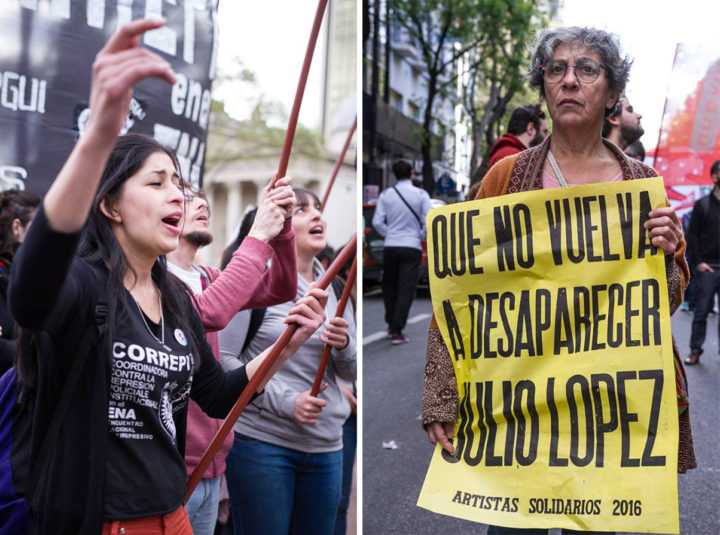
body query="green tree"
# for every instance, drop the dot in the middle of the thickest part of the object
(257, 136)
(444, 31)
(489, 38)
(496, 75)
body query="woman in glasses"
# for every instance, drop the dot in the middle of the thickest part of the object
(581, 74)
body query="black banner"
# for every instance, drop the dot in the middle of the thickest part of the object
(48, 47)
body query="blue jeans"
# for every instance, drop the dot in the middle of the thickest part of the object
(349, 445)
(276, 491)
(202, 507)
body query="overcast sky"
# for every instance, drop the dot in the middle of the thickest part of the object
(271, 38)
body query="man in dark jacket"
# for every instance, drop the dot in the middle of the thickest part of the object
(527, 128)
(704, 244)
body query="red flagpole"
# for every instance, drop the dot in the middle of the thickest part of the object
(260, 374)
(338, 314)
(338, 163)
(292, 123)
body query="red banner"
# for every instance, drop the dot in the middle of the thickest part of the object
(689, 140)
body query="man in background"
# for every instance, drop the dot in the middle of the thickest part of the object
(241, 285)
(703, 239)
(527, 128)
(400, 218)
(622, 126)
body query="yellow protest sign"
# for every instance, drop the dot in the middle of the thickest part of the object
(554, 307)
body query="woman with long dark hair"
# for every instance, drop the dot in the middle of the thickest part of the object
(17, 209)
(117, 465)
(284, 470)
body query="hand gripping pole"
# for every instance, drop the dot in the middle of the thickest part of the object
(338, 314)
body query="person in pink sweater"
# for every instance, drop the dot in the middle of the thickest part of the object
(218, 296)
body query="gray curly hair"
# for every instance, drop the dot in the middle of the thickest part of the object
(617, 68)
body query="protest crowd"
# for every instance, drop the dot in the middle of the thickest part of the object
(121, 355)
(145, 392)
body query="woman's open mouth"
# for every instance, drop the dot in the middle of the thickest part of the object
(317, 231)
(172, 222)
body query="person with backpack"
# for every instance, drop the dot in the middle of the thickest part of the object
(17, 209)
(285, 466)
(217, 296)
(400, 218)
(111, 461)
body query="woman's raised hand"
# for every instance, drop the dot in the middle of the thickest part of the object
(664, 229)
(119, 65)
(275, 208)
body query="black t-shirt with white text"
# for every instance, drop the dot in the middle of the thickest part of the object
(149, 383)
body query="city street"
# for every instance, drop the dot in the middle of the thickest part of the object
(392, 386)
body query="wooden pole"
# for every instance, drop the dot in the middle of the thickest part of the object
(261, 373)
(292, 123)
(338, 314)
(338, 164)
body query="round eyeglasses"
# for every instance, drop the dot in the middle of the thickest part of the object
(586, 71)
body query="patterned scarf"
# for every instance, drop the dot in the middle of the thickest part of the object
(527, 173)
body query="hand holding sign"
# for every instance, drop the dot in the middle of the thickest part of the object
(442, 432)
(554, 310)
(664, 229)
(118, 67)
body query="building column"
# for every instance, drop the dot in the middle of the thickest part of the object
(234, 209)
